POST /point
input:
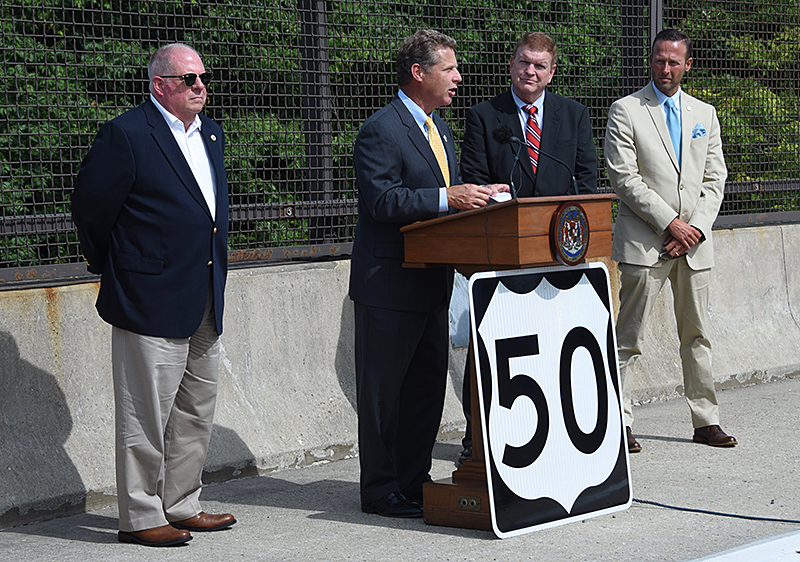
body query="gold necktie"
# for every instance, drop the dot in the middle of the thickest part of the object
(438, 150)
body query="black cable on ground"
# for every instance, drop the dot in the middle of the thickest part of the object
(736, 515)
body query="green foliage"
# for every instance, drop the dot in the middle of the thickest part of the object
(46, 122)
(747, 64)
(69, 65)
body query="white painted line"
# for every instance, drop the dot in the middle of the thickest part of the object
(784, 548)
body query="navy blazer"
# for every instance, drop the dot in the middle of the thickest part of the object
(398, 183)
(145, 227)
(566, 134)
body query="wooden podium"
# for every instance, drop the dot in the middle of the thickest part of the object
(510, 235)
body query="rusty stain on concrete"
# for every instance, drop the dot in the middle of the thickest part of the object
(54, 321)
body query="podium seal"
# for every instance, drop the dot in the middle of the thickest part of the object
(569, 233)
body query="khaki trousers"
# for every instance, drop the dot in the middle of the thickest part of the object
(165, 390)
(639, 287)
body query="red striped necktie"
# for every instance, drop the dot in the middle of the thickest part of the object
(533, 134)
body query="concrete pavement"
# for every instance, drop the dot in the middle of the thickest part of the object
(313, 513)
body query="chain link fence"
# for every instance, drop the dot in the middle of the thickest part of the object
(294, 80)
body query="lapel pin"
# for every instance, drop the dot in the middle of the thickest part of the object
(213, 137)
(444, 137)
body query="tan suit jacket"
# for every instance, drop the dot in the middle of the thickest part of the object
(652, 188)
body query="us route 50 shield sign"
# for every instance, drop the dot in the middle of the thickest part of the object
(549, 393)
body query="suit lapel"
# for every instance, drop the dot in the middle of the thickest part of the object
(660, 123)
(687, 120)
(550, 130)
(509, 117)
(215, 151)
(417, 138)
(172, 152)
(449, 148)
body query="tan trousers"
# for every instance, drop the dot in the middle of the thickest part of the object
(638, 291)
(165, 391)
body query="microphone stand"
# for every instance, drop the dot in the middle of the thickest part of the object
(511, 175)
(520, 142)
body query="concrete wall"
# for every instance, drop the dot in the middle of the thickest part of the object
(755, 313)
(287, 392)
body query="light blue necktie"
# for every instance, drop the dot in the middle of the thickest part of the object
(674, 127)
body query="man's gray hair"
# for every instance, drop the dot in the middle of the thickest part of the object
(421, 49)
(161, 62)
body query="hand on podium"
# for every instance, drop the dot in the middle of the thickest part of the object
(470, 196)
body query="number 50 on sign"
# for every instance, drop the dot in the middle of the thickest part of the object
(549, 393)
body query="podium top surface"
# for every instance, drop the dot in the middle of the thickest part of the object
(519, 202)
(511, 235)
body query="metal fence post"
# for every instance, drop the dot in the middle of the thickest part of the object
(317, 114)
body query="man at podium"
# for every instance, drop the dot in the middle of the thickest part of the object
(405, 163)
(557, 148)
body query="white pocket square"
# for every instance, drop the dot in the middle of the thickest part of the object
(698, 131)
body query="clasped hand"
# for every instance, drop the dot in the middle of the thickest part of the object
(681, 238)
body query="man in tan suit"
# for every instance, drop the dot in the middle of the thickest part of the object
(664, 156)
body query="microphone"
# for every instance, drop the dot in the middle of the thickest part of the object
(504, 135)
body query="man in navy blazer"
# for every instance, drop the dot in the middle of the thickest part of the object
(401, 326)
(565, 133)
(151, 208)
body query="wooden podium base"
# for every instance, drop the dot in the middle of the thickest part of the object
(460, 501)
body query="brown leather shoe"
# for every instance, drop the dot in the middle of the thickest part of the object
(165, 535)
(714, 436)
(206, 522)
(633, 444)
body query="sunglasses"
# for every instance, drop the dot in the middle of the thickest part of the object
(189, 79)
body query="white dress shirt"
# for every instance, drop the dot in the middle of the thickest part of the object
(194, 150)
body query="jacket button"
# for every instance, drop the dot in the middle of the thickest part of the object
(215, 230)
(681, 186)
(209, 262)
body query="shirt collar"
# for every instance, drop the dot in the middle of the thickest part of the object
(539, 103)
(417, 112)
(171, 119)
(662, 97)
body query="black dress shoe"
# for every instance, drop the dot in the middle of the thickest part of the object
(464, 456)
(633, 444)
(714, 436)
(394, 504)
(415, 498)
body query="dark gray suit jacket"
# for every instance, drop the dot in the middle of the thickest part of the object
(398, 183)
(566, 134)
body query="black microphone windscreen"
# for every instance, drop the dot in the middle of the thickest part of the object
(503, 134)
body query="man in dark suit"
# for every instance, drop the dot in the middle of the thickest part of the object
(559, 127)
(564, 126)
(405, 164)
(151, 208)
